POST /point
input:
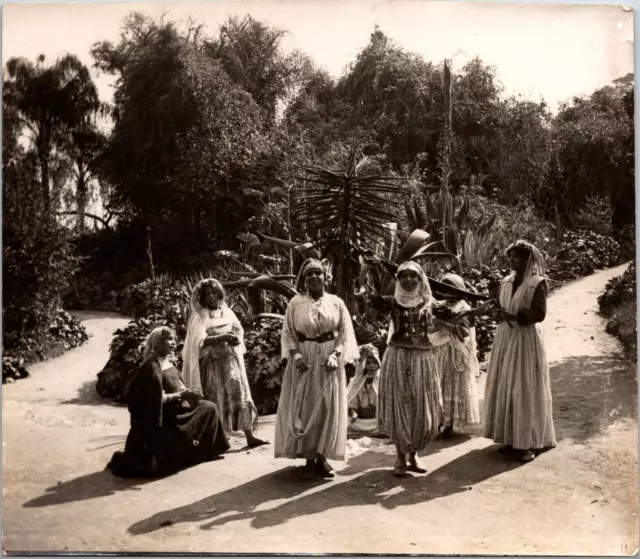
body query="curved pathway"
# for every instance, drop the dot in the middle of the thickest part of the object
(580, 498)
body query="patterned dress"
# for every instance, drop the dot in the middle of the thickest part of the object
(312, 410)
(518, 403)
(223, 376)
(458, 362)
(410, 399)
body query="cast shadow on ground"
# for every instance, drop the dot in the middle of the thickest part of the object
(456, 476)
(367, 489)
(241, 501)
(91, 486)
(88, 396)
(592, 393)
(376, 457)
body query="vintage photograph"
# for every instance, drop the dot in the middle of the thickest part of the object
(319, 277)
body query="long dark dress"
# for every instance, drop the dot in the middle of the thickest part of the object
(165, 438)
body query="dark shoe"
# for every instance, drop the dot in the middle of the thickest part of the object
(255, 443)
(447, 432)
(527, 456)
(323, 469)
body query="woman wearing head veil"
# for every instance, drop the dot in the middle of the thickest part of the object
(213, 359)
(171, 427)
(317, 340)
(458, 364)
(362, 393)
(410, 400)
(518, 404)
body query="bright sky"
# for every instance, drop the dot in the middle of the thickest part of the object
(549, 51)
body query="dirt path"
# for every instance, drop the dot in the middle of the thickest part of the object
(580, 498)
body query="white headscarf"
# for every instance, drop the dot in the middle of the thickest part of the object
(154, 339)
(536, 265)
(421, 295)
(199, 321)
(357, 382)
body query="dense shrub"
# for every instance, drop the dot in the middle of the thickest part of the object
(582, 253)
(63, 332)
(265, 367)
(618, 303)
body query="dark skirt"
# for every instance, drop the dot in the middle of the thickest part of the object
(188, 436)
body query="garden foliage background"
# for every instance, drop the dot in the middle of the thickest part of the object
(211, 153)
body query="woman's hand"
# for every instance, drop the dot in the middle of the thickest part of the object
(232, 339)
(191, 394)
(504, 316)
(353, 415)
(299, 364)
(332, 362)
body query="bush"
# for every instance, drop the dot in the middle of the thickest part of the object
(165, 303)
(595, 215)
(265, 368)
(63, 332)
(582, 253)
(153, 304)
(618, 303)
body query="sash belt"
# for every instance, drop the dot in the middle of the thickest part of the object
(323, 338)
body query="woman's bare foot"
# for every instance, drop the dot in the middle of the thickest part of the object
(415, 464)
(253, 441)
(400, 468)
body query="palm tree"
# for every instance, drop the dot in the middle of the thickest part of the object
(50, 101)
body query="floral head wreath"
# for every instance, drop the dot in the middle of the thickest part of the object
(536, 264)
(197, 292)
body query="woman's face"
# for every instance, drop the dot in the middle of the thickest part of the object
(517, 260)
(371, 366)
(167, 345)
(210, 297)
(409, 280)
(314, 279)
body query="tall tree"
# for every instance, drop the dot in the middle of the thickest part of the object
(50, 101)
(251, 54)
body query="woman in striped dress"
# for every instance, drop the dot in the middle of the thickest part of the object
(518, 403)
(410, 399)
(458, 363)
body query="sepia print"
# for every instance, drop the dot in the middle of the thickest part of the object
(319, 277)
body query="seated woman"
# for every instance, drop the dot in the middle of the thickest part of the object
(171, 428)
(362, 393)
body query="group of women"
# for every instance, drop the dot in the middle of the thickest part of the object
(424, 386)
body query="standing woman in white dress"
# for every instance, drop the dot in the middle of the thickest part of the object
(518, 403)
(317, 340)
(213, 357)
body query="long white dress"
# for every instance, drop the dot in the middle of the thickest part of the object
(518, 403)
(312, 410)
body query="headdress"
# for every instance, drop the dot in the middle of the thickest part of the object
(357, 382)
(154, 339)
(312, 263)
(536, 265)
(421, 295)
(455, 280)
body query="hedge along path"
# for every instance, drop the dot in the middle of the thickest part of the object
(580, 498)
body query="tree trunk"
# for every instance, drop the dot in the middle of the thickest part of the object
(81, 199)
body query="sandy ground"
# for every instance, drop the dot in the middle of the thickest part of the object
(580, 498)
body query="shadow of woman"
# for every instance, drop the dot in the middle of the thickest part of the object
(369, 489)
(243, 500)
(91, 486)
(383, 455)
